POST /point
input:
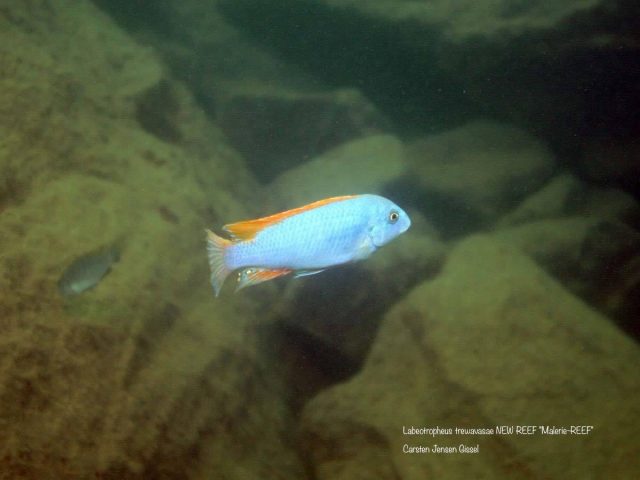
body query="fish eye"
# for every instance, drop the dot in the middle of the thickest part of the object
(393, 216)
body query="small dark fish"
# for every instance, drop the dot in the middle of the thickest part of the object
(87, 271)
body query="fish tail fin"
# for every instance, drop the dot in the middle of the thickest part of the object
(216, 248)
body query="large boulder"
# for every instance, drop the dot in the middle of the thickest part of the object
(272, 112)
(469, 176)
(563, 68)
(366, 165)
(341, 308)
(587, 237)
(594, 257)
(612, 161)
(277, 130)
(202, 48)
(492, 341)
(565, 195)
(145, 375)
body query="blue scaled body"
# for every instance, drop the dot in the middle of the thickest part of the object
(305, 240)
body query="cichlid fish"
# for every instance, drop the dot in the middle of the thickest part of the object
(87, 271)
(305, 240)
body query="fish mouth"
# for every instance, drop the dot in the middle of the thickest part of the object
(406, 224)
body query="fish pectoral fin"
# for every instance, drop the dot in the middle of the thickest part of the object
(254, 275)
(364, 249)
(305, 273)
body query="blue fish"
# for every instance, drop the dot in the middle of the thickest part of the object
(305, 240)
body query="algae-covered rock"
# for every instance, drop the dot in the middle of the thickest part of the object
(278, 130)
(323, 325)
(594, 257)
(365, 165)
(613, 161)
(567, 69)
(584, 235)
(566, 195)
(204, 50)
(342, 307)
(492, 341)
(145, 375)
(48, 104)
(272, 112)
(474, 173)
(178, 395)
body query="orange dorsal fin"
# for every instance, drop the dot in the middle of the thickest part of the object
(248, 229)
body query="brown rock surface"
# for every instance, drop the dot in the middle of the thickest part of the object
(280, 129)
(565, 195)
(272, 112)
(364, 165)
(145, 376)
(587, 237)
(491, 341)
(567, 69)
(471, 175)
(596, 258)
(342, 307)
(613, 161)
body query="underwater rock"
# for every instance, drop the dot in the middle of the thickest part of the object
(144, 376)
(564, 69)
(204, 50)
(566, 195)
(341, 308)
(469, 176)
(613, 161)
(272, 112)
(493, 340)
(596, 258)
(48, 104)
(365, 165)
(279, 130)
(325, 324)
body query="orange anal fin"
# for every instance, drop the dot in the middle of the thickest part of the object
(248, 229)
(253, 276)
